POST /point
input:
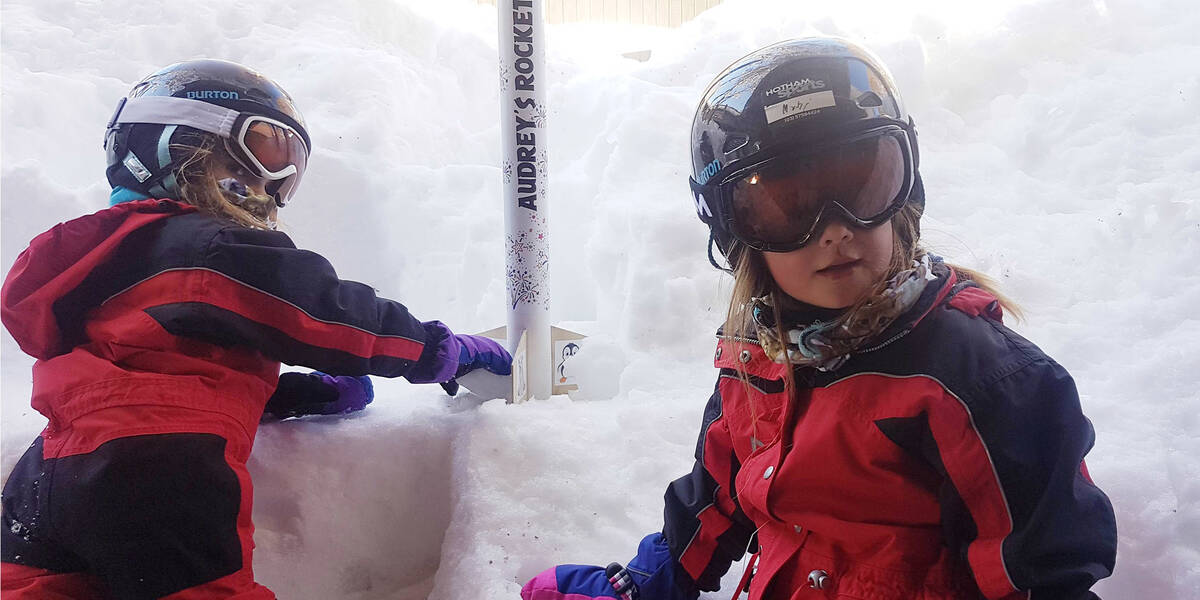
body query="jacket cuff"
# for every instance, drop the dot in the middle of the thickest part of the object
(439, 358)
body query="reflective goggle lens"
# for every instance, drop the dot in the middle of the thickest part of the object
(273, 151)
(275, 147)
(781, 201)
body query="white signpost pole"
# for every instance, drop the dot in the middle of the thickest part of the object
(524, 170)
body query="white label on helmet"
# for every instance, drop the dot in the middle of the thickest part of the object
(135, 166)
(799, 105)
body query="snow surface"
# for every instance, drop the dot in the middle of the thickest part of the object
(1059, 147)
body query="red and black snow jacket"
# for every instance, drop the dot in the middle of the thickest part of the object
(152, 303)
(943, 461)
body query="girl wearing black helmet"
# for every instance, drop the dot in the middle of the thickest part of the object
(876, 432)
(159, 326)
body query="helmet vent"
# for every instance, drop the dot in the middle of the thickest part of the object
(869, 100)
(734, 143)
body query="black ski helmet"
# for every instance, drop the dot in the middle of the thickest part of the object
(785, 97)
(137, 148)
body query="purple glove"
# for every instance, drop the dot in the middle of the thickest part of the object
(354, 393)
(652, 575)
(447, 356)
(478, 352)
(316, 393)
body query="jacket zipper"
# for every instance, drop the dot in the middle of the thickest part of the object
(871, 349)
(739, 339)
(890, 340)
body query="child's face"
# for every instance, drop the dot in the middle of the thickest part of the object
(256, 187)
(836, 268)
(225, 167)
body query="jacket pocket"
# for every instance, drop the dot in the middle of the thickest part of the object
(811, 575)
(27, 538)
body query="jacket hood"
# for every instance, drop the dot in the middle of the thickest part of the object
(58, 261)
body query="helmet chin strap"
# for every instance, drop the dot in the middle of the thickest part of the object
(167, 185)
(712, 260)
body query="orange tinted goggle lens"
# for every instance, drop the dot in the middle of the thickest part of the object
(275, 147)
(780, 202)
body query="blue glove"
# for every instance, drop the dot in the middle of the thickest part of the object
(652, 575)
(316, 393)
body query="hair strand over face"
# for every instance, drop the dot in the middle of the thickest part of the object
(198, 184)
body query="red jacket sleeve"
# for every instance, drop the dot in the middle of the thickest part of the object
(257, 289)
(201, 277)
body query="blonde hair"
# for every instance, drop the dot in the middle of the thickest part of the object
(198, 185)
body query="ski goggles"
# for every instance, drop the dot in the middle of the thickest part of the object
(271, 150)
(782, 202)
(268, 148)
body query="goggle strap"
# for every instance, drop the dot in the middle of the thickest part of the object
(168, 110)
(707, 203)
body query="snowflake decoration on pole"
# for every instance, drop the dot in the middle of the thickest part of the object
(505, 76)
(542, 165)
(539, 116)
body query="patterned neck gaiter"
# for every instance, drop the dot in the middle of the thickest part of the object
(827, 343)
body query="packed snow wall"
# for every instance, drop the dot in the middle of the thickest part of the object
(1058, 148)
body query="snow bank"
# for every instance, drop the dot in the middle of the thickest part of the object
(1058, 147)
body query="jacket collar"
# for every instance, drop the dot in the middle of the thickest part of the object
(934, 294)
(746, 354)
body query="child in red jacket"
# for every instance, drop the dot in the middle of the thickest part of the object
(159, 326)
(876, 432)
